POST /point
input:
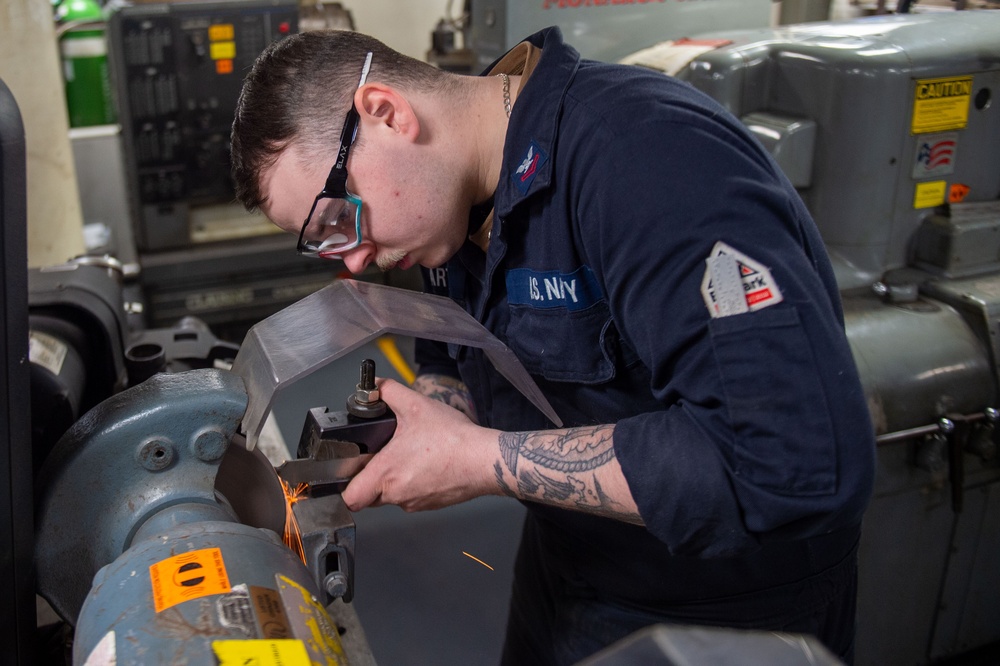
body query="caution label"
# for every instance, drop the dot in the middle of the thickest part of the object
(193, 575)
(941, 104)
(928, 195)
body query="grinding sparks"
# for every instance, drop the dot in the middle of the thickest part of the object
(293, 536)
(477, 560)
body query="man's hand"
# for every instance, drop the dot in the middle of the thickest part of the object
(436, 458)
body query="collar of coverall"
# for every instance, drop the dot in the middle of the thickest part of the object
(520, 60)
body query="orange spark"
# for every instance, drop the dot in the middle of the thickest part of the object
(478, 560)
(293, 535)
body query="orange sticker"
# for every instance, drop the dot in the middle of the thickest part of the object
(223, 66)
(193, 575)
(958, 192)
(221, 32)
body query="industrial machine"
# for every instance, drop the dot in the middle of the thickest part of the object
(605, 29)
(158, 519)
(888, 128)
(177, 69)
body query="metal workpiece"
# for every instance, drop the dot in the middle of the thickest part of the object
(133, 456)
(341, 317)
(336, 445)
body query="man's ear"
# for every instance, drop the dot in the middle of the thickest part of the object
(384, 106)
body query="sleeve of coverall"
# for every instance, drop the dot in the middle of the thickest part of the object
(759, 424)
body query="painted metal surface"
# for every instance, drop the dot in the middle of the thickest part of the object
(606, 29)
(858, 81)
(143, 450)
(161, 542)
(917, 361)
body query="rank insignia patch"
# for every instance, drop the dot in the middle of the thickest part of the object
(528, 168)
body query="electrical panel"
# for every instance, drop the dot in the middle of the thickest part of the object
(177, 71)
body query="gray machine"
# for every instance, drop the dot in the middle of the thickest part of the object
(888, 128)
(605, 29)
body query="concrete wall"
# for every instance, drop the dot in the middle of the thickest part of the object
(29, 64)
(405, 25)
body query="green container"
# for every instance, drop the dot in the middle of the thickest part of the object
(84, 51)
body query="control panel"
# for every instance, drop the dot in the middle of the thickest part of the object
(178, 69)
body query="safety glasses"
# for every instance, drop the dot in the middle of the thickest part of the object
(336, 213)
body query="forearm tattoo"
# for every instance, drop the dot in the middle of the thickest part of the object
(560, 468)
(450, 391)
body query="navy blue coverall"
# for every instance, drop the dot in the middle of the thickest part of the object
(743, 433)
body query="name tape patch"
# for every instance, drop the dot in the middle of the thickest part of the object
(545, 290)
(734, 283)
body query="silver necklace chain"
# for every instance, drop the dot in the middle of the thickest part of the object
(506, 92)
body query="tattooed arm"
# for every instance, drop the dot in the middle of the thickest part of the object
(574, 468)
(438, 457)
(452, 392)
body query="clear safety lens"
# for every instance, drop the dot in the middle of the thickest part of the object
(335, 226)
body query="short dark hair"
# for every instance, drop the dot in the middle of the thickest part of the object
(299, 91)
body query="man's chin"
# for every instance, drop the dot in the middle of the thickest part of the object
(394, 260)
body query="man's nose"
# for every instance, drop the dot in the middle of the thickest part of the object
(357, 259)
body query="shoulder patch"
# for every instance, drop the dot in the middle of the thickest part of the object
(528, 167)
(734, 283)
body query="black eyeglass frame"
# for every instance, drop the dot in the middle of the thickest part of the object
(336, 182)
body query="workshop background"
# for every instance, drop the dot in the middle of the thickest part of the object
(125, 261)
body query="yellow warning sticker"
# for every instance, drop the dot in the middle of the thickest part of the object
(284, 652)
(930, 194)
(311, 623)
(941, 104)
(193, 575)
(222, 50)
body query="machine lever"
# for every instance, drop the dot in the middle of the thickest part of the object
(958, 429)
